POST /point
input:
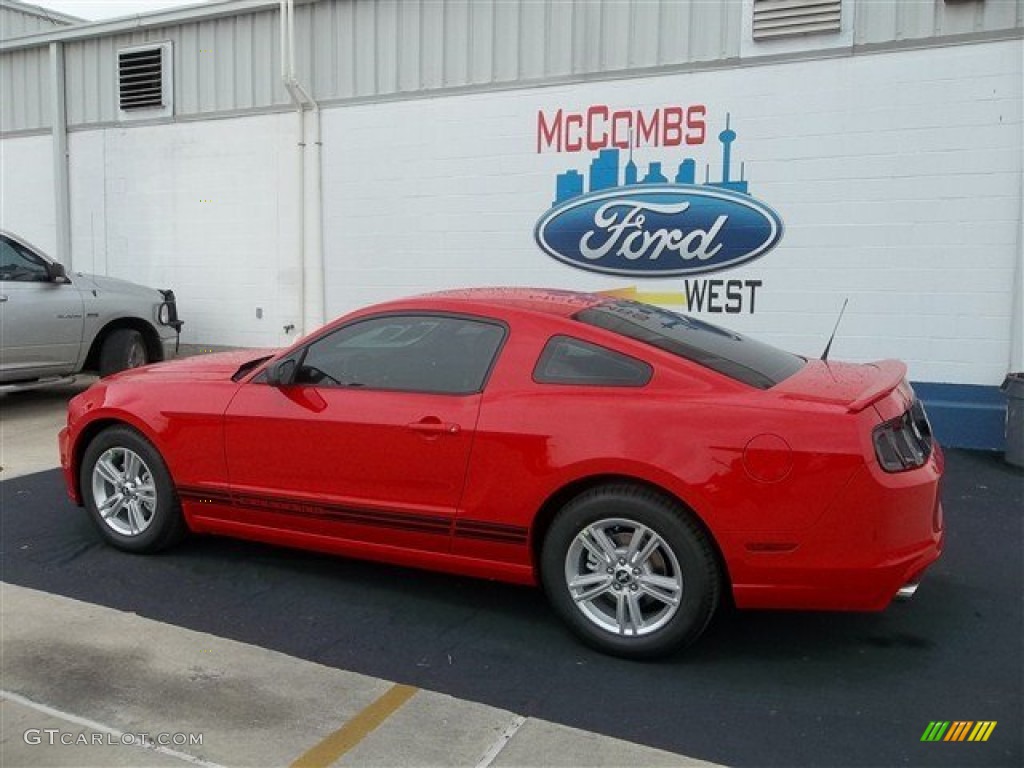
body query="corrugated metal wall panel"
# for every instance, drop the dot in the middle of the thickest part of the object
(644, 34)
(456, 42)
(504, 41)
(432, 44)
(243, 67)
(365, 48)
(388, 47)
(586, 37)
(348, 49)
(407, 19)
(15, 23)
(481, 20)
(265, 60)
(560, 19)
(220, 65)
(884, 22)
(25, 89)
(533, 47)
(615, 35)
(206, 62)
(91, 76)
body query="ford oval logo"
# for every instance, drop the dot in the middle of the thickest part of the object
(659, 230)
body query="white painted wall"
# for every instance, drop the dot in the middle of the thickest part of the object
(897, 175)
(27, 203)
(206, 208)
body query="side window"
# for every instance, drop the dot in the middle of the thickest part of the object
(20, 265)
(570, 361)
(414, 353)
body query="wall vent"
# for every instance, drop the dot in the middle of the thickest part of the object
(144, 81)
(786, 18)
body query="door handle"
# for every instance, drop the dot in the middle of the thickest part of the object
(3, 297)
(432, 425)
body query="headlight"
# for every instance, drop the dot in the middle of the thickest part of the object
(904, 443)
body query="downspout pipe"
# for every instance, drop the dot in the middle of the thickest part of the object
(300, 156)
(61, 180)
(310, 204)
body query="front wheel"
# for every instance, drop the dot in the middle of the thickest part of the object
(123, 348)
(630, 572)
(129, 493)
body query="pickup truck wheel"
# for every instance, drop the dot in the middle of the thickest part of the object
(122, 349)
(129, 493)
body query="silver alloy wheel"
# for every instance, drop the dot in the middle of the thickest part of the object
(124, 491)
(623, 577)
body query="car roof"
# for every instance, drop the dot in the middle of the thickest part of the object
(535, 300)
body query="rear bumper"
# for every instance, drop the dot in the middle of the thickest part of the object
(879, 537)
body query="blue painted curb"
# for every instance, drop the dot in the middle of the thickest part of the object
(965, 415)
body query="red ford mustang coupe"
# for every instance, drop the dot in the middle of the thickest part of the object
(638, 463)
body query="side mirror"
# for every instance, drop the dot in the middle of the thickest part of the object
(56, 273)
(281, 373)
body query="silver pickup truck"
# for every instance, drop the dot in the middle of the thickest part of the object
(54, 324)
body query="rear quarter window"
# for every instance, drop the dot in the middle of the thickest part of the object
(566, 360)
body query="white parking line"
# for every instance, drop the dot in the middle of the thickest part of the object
(497, 746)
(94, 726)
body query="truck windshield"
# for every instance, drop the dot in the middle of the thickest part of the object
(731, 354)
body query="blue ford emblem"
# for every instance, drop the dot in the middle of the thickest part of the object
(659, 230)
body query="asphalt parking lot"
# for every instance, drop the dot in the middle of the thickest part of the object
(759, 689)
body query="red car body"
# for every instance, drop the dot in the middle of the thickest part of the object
(785, 480)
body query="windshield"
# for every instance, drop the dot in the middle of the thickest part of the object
(731, 354)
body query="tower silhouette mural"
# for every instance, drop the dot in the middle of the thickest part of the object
(604, 172)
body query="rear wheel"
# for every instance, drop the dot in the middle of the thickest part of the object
(123, 348)
(128, 492)
(630, 572)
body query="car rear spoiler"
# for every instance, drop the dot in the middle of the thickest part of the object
(891, 374)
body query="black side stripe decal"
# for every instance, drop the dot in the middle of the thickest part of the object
(477, 529)
(470, 529)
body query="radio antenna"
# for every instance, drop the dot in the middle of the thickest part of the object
(824, 355)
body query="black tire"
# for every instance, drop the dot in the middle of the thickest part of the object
(122, 349)
(684, 556)
(148, 518)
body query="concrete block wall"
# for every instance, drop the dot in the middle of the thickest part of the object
(27, 203)
(897, 176)
(208, 209)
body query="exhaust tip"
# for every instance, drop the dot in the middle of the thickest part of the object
(907, 591)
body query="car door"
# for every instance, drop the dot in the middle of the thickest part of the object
(371, 439)
(40, 320)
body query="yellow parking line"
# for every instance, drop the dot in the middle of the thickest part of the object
(336, 744)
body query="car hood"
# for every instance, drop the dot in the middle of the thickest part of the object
(852, 386)
(113, 285)
(219, 365)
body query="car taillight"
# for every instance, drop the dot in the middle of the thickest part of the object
(905, 442)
